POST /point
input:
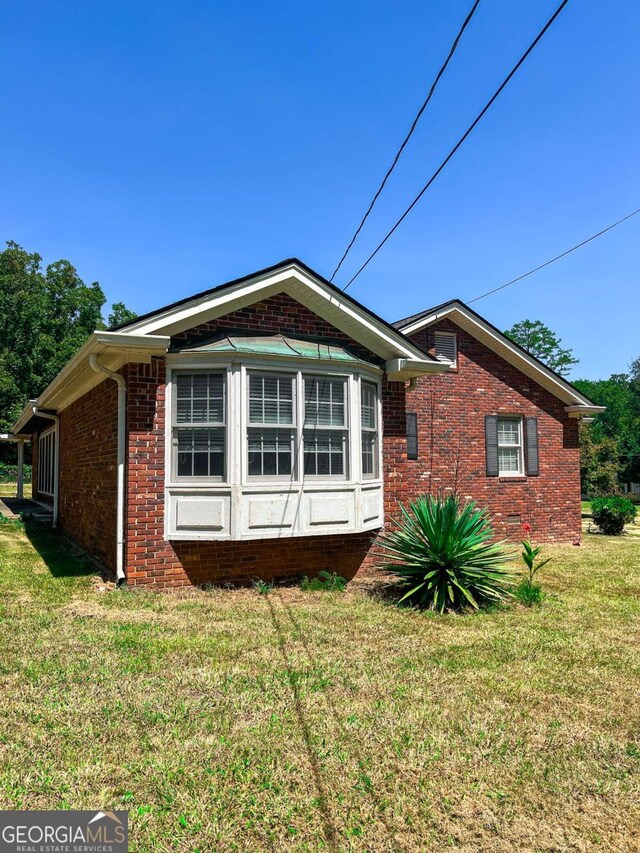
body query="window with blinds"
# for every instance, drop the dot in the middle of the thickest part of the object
(325, 431)
(199, 428)
(445, 345)
(271, 430)
(47, 463)
(510, 455)
(369, 429)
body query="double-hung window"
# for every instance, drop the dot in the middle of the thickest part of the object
(510, 455)
(272, 425)
(325, 433)
(369, 429)
(199, 425)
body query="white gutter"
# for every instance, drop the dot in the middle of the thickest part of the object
(403, 369)
(56, 456)
(122, 445)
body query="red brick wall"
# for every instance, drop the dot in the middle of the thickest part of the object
(451, 408)
(151, 559)
(87, 486)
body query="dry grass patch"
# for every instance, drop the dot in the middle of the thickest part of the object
(318, 721)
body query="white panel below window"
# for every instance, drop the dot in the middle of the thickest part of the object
(200, 513)
(271, 512)
(331, 509)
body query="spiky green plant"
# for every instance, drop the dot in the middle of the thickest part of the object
(442, 551)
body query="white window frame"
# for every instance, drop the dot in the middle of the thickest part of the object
(300, 503)
(292, 428)
(519, 446)
(175, 427)
(345, 428)
(47, 449)
(454, 336)
(375, 431)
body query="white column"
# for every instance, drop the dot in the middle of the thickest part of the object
(20, 490)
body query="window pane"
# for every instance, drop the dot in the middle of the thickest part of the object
(324, 401)
(368, 453)
(324, 452)
(200, 398)
(270, 452)
(508, 459)
(368, 406)
(270, 399)
(508, 431)
(201, 452)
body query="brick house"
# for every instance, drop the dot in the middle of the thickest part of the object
(268, 427)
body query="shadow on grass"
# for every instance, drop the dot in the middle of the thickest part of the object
(62, 557)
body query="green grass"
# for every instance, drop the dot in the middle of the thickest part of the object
(234, 721)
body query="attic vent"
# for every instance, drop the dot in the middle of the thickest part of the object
(445, 345)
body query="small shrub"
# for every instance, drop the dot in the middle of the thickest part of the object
(324, 582)
(612, 513)
(529, 593)
(263, 587)
(442, 551)
(12, 523)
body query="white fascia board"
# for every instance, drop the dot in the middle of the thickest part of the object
(501, 345)
(581, 411)
(77, 377)
(310, 291)
(401, 369)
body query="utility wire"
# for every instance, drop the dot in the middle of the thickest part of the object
(557, 257)
(407, 137)
(461, 140)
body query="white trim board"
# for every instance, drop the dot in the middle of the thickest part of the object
(576, 403)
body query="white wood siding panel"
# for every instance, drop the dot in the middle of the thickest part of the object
(371, 500)
(273, 512)
(201, 513)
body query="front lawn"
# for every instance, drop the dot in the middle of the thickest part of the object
(324, 721)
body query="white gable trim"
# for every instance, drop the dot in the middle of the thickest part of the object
(305, 288)
(576, 403)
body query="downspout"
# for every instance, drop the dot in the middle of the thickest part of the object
(412, 384)
(122, 446)
(56, 458)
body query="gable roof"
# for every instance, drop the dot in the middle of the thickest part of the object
(307, 287)
(576, 403)
(150, 335)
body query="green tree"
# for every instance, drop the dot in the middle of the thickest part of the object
(45, 316)
(599, 464)
(621, 419)
(544, 344)
(119, 315)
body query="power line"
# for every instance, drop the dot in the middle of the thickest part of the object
(461, 140)
(557, 257)
(408, 136)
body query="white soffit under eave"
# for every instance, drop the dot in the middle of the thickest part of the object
(497, 342)
(354, 321)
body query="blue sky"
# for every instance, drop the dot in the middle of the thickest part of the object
(166, 147)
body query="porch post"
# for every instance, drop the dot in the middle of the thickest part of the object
(20, 491)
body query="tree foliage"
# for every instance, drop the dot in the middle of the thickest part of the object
(542, 343)
(599, 463)
(45, 316)
(621, 420)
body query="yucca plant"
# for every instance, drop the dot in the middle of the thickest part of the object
(442, 551)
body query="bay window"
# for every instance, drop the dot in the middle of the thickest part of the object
(256, 451)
